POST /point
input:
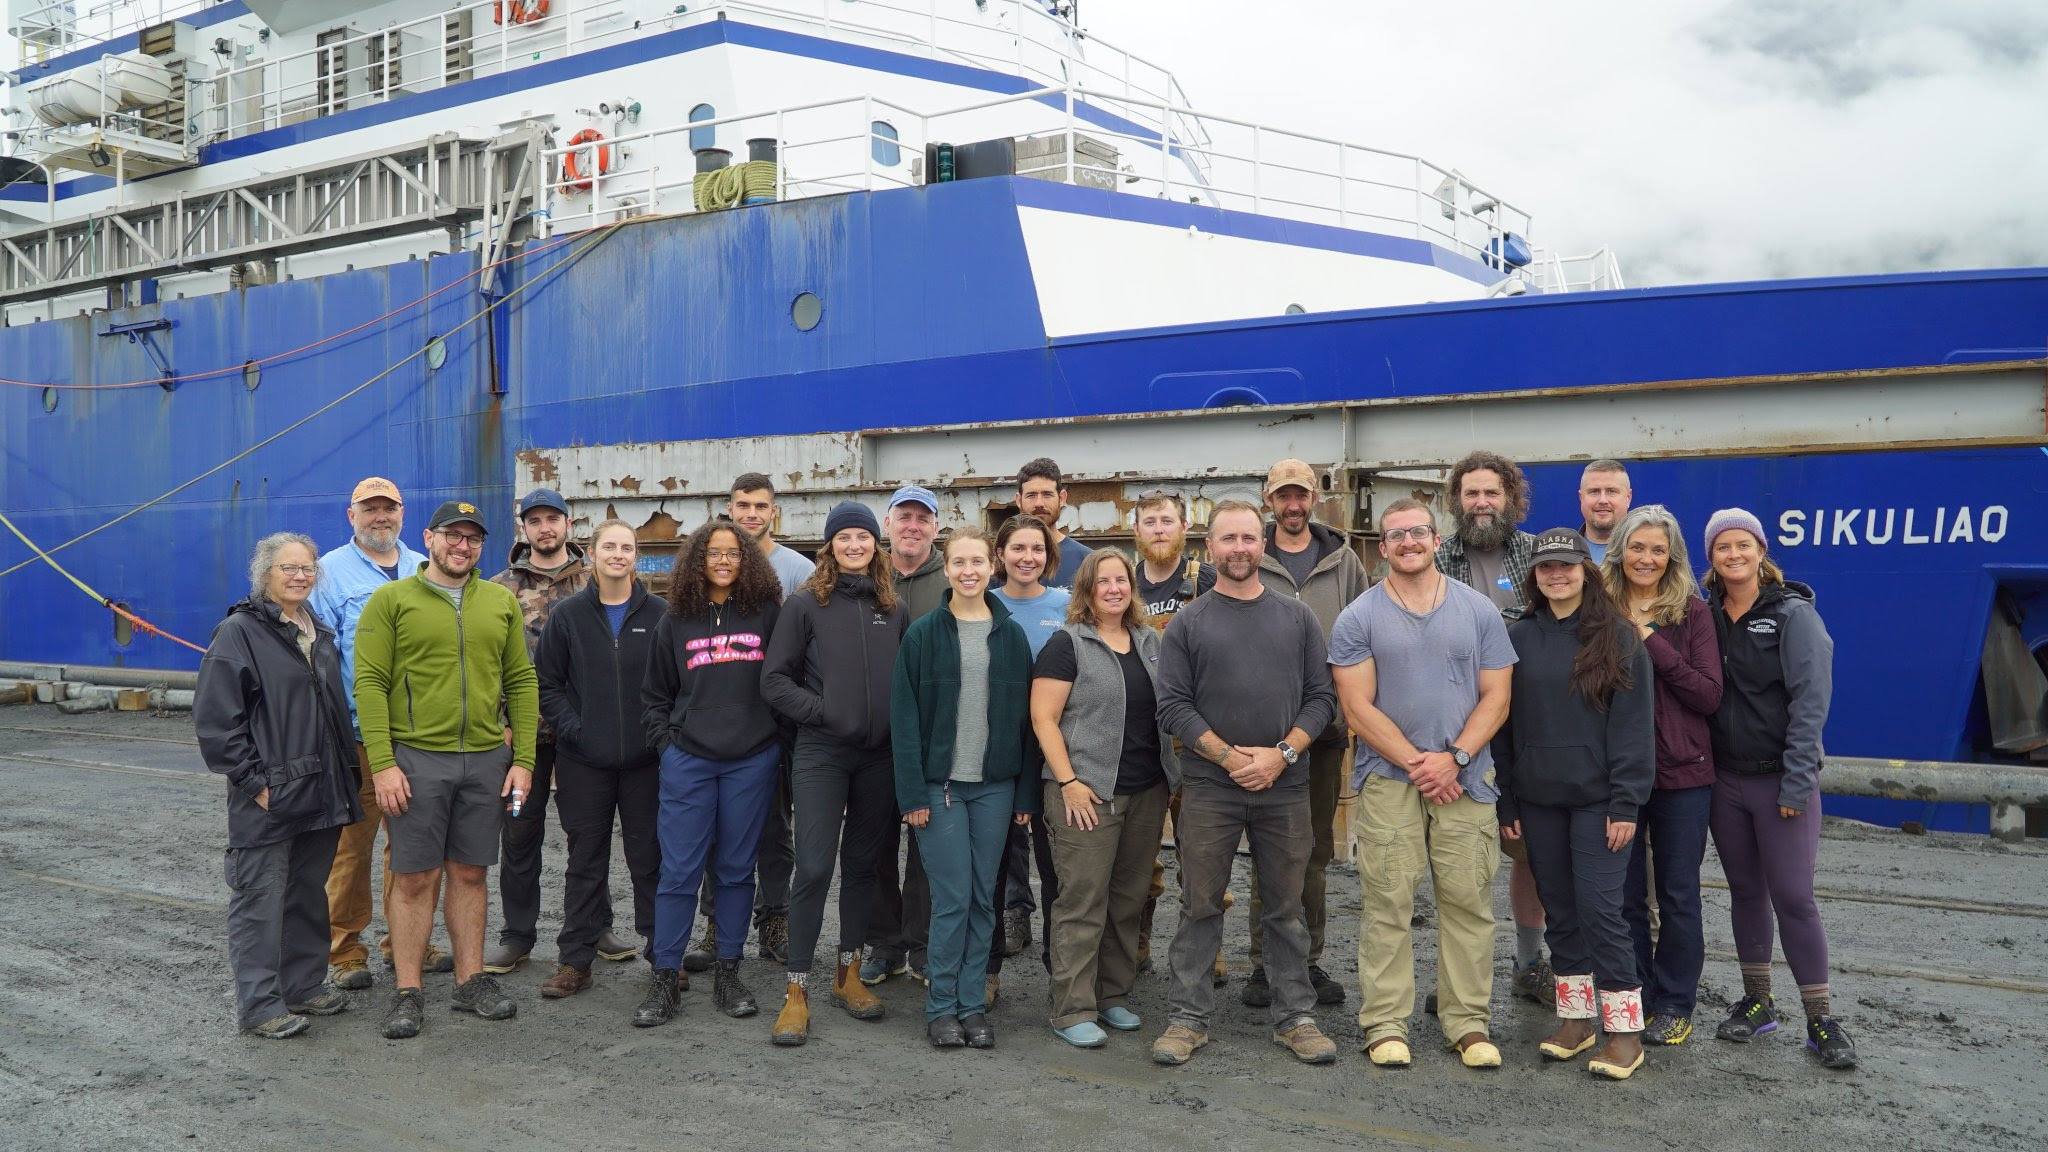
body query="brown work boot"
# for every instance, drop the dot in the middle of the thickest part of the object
(567, 981)
(1308, 1043)
(1178, 1045)
(793, 1023)
(849, 993)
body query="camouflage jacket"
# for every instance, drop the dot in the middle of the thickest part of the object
(539, 592)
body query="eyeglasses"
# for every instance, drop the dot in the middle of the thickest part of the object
(460, 539)
(722, 554)
(297, 569)
(1420, 534)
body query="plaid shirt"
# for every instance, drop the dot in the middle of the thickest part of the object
(1516, 557)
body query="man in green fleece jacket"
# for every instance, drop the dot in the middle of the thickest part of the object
(436, 652)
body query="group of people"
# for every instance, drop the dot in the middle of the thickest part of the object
(1018, 703)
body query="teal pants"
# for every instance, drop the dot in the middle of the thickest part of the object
(962, 847)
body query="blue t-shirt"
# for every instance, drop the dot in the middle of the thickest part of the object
(1072, 552)
(616, 614)
(1040, 616)
(1598, 550)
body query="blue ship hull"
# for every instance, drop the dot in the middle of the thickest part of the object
(679, 329)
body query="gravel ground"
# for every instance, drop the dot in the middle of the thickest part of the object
(116, 1028)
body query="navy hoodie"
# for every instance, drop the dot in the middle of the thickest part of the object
(590, 679)
(703, 687)
(1556, 749)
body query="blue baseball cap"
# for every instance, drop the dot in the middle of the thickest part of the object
(912, 493)
(543, 498)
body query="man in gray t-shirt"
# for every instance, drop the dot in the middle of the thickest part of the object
(1422, 668)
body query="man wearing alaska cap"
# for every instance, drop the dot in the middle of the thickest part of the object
(436, 654)
(374, 556)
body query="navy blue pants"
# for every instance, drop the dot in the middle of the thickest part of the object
(707, 802)
(1580, 882)
(1676, 822)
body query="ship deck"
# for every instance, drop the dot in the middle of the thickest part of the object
(116, 1029)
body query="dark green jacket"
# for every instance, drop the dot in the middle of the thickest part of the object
(924, 703)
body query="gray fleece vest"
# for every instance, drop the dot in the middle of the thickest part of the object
(1093, 722)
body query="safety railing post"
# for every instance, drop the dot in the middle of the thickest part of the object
(868, 138)
(1343, 187)
(1258, 165)
(1071, 139)
(1165, 162)
(1416, 183)
(782, 151)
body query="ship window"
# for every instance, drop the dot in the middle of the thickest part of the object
(124, 631)
(701, 138)
(883, 144)
(1296, 310)
(49, 399)
(806, 310)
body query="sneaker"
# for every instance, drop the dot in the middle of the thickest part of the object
(1830, 1041)
(1328, 991)
(280, 1027)
(877, 968)
(482, 995)
(1749, 1019)
(617, 948)
(774, 939)
(1016, 930)
(1536, 982)
(1666, 1028)
(503, 958)
(728, 994)
(326, 1002)
(703, 952)
(916, 972)
(1178, 1045)
(660, 1005)
(1086, 1034)
(1257, 992)
(408, 1012)
(353, 975)
(1308, 1043)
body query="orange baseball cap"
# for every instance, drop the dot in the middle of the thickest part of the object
(374, 487)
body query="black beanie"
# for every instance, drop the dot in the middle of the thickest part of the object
(850, 514)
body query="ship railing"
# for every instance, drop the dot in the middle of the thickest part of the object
(836, 146)
(1595, 271)
(59, 26)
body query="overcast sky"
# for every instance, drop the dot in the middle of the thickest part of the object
(1702, 139)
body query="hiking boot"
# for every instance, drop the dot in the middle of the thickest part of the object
(703, 951)
(617, 948)
(1145, 933)
(1749, 1019)
(353, 975)
(660, 1005)
(1328, 991)
(877, 968)
(979, 1034)
(567, 981)
(1222, 976)
(280, 1027)
(1665, 1028)
(1536, 982)
(1308, 1043)
(793, 1023)
(850, 991)
(408, 1011)
(325, 1002)
(1016, 930)
(482, 995)
(1257, 992)
(503, 958)
(1828, 1040)
(1178, 1045)
(728, 994)
(774, 938)
(437, 960)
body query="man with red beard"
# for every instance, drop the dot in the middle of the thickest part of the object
(1167, 580)
(1490, 553)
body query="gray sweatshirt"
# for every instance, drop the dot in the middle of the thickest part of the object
(1247, 670)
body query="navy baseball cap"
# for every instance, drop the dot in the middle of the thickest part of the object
(913, 494)
(543, 498)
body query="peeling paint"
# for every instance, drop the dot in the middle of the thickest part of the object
(670, 483)
(540, 468)
(629, 483)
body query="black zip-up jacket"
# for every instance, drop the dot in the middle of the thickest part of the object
(1556, 749)
(266, 717)
(830, 665)
(703, 687)
(1778, 678)
(590, 680)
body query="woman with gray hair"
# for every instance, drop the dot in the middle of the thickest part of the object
(272, 716)
(1648, 576)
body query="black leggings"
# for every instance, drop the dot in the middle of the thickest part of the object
(845, 798)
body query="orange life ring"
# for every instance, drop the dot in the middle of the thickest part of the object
(523, 11)
(572, 172)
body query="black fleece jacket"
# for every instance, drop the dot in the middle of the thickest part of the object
(703, 688)
(1556, 749)
(590, 680)
(830, 665)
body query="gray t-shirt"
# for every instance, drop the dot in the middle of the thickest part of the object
(1490, 578)
(1427, 671)
(790, 568)
(454, 594)
(970, 725)
(1298, 564)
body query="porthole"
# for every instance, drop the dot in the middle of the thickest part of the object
(252, 374)
(1295, 310)
(124, 629)
(49, 399)
(806, 311)
(437, 353)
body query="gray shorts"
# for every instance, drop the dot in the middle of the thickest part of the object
(456, 810)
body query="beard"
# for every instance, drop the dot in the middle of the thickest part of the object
(1485, 532)
(1237, 568)
(378, 539)
(1165, 551)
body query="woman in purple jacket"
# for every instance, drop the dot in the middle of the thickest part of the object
(1646, 572)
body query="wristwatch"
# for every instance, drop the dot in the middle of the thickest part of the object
(1288, 753)
(1460, 757)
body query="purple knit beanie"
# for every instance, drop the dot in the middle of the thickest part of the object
(1730, 518)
